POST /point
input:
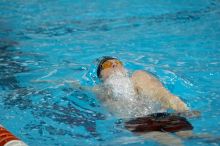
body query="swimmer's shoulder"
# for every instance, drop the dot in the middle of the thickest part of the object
(143, 73)
(144, 76)
(145, 83)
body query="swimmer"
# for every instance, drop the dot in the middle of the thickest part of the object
(129, 96)
(135, 96)
(139, 96)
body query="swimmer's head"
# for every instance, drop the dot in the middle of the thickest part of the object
(108, 66)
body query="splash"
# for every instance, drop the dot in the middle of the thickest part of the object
(121, 87)
(122, 100)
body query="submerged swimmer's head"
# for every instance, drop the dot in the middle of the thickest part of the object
(108, 66)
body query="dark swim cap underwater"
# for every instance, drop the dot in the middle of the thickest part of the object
(103, 60)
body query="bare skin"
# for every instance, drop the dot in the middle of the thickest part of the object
(147, 85)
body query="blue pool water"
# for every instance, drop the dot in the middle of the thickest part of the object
(178, 41)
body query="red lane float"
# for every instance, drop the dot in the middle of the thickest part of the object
(8, 139)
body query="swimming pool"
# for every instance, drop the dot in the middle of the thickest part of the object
(178, 41)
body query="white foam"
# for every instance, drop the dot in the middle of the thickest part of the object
(122, 100)
(121, 87)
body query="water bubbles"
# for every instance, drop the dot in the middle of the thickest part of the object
(121, 99)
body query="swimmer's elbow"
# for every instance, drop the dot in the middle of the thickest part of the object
(177, 104)
(182, 107)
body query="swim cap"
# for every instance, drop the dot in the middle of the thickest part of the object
(103, 60)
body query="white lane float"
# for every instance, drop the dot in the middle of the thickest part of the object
(8, 139)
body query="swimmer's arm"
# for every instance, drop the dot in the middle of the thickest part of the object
(76, 84)
(45, 81)
(173, 102)
(73, 83)
(189, 114)
(148, 85)
(178, 105)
